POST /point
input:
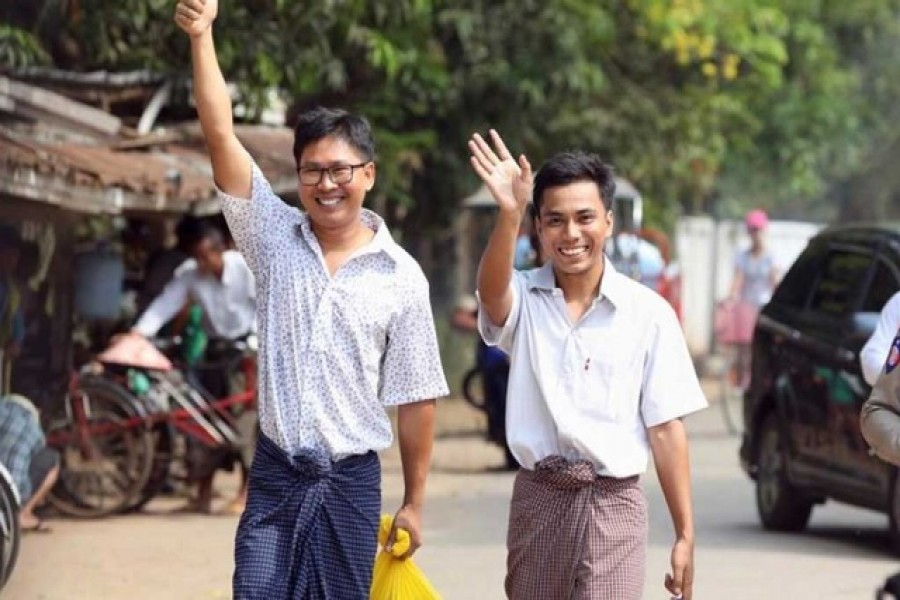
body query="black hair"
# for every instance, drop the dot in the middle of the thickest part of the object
(10, 238)
(203, 230)
(318, 123)
(187, 231)
(570, 167)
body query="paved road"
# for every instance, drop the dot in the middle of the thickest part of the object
(844, 554)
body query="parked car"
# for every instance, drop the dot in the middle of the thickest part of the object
(801, 442)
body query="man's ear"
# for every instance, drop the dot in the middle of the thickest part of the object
(610, 223)
(370, 171)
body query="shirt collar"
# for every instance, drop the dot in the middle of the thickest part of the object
(382, 242)
(610, 285)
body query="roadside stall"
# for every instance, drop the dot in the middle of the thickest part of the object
(91, 199)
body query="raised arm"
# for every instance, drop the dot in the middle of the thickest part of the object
(510, 185)
(230, 161)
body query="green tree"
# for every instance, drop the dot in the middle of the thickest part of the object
(787, 104)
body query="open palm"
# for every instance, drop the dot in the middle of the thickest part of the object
(195, 16)
(508, 181)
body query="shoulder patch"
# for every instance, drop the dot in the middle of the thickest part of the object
(893, 358)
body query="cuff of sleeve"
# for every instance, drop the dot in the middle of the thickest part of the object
(676, 412)
(493, 334)
(427, 393)
(145, 329)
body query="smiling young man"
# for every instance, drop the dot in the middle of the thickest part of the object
(345, 330)
(600, 377)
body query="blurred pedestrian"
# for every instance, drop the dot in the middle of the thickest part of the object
(23, 451)
(346, 331)
(755, 271)
(755, 277)
(600, 378)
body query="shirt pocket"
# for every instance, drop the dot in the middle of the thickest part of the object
(597, 388)
(607, 389)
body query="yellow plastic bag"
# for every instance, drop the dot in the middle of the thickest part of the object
(395, 579)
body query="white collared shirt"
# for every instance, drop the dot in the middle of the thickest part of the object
(591, 390)
(334, 350)
(228, 303)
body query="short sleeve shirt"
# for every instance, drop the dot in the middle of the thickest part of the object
(589, 390)
(757, 271)
(334, 350)
(20, 439)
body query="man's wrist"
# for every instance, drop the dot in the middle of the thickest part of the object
(199, 37)
(414, 502)
(511, 215)
(686, 537)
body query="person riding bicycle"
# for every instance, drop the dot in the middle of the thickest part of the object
(755, 278)
(219, 281)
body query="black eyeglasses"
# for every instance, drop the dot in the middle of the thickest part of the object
(339, 174)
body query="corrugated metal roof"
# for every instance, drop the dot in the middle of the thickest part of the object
(164, 173)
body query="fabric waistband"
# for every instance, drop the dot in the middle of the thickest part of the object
(309, 463)
(563, 473)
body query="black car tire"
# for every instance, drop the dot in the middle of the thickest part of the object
(780, 505)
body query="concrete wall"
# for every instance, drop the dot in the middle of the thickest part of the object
(705, 252)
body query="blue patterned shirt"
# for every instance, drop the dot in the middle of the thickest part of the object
(20, 439)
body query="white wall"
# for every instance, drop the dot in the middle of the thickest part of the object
(707, 264)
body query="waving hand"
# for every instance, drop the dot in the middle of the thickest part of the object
(509, 181)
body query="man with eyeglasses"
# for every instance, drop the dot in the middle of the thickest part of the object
(345, 330)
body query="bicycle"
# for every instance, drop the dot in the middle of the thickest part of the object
(734, 323)
(118, 437)
(10, 534)
(475, 391)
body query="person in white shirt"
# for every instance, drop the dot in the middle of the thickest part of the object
(221, 283)
(218, 280)
(600, 378)
(875, 352)
(346, 331)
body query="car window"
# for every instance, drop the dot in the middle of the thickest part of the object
(797, 283)
(839, 285)
(884, 285)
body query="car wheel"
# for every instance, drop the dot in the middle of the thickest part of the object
(781, 506)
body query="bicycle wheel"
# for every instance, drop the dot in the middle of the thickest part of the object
(163, 451)
(473, 388)
(731, 396)
(10, 535)
(103, 472)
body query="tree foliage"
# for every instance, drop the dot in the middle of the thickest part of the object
(726, 104)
